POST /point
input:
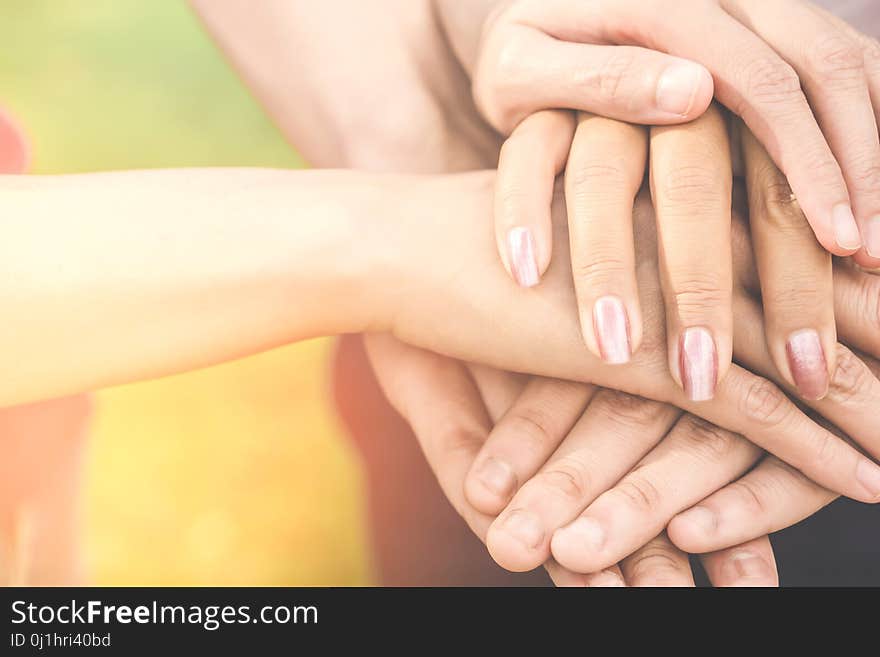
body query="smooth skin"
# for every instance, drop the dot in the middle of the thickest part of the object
(366, 148)
(453, 432)
(512, 55)
(556, 466)
(690, 171)
(139, 304)
(427, 104)
(599, 57)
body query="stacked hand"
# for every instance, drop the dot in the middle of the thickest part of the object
(573, 475)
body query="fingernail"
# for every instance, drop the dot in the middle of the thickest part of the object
(806, 358)
(702, 518)
(677, 88)
(747, 566)
(868, 475)
(698, 364)
(497, 477)
(872, 237)
(605, 579)
(523, 262)
(846, 232)
(525, 528)
(585, 532)
(611, 324)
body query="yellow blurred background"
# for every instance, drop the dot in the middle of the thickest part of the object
(236, 475)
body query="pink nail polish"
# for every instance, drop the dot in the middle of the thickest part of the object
(846, 231)
(521, 251)
(806, 358)
(611, 324)
(698, 363)
(872, 237)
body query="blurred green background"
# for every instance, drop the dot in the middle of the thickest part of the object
(234, 475)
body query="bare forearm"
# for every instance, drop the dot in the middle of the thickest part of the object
(106, 278)
(368, 85)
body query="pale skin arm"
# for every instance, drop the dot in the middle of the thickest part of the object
(108, 278)
(160, 272)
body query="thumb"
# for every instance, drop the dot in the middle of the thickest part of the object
(627, 83)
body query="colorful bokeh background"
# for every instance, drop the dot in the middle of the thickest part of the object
(236, 475)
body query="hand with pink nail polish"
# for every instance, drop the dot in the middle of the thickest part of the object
(604, 162)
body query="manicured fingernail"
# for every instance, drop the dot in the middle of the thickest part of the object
(611, 324)
(677, 88)
(698, 363)
(524, 527)
(872, 237)
(585, 533)
(521, 251)
(701, 518)
(605, 579)
(806, 358)
(868, 475)
(745, 568)
(497, 477)
(846, 232)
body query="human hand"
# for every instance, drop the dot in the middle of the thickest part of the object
(690, 173)
(806, 84)
(538, 334)
(453, 426)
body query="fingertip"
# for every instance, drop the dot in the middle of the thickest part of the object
(866, 261)
(522, 256)
(684, 91)
(691, 530)
(516, 541)
(607, 330)
(698, 363)
(807, 364)
(744, 568)
(847, 238)
(490, 485)
(577, 545)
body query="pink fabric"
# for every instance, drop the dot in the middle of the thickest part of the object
(14, 152)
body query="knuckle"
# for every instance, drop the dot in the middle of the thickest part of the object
(592, 177)
(792, 294)
(764, 403)
(512, 198)
(865, 172)
(455, 438)
(639, 493)
(692, 186)
(871, 55)
(611, 75)
(565, 478)
(600, 269)
(867, 301)
(532, 424)
(836, 59)
(628, 411)
(708, 441)
(497, 80)
(655, 564)
(851, 381)
(750, 496)
(698, 296)
(782, 211)
(769, 80)
(825, 451)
